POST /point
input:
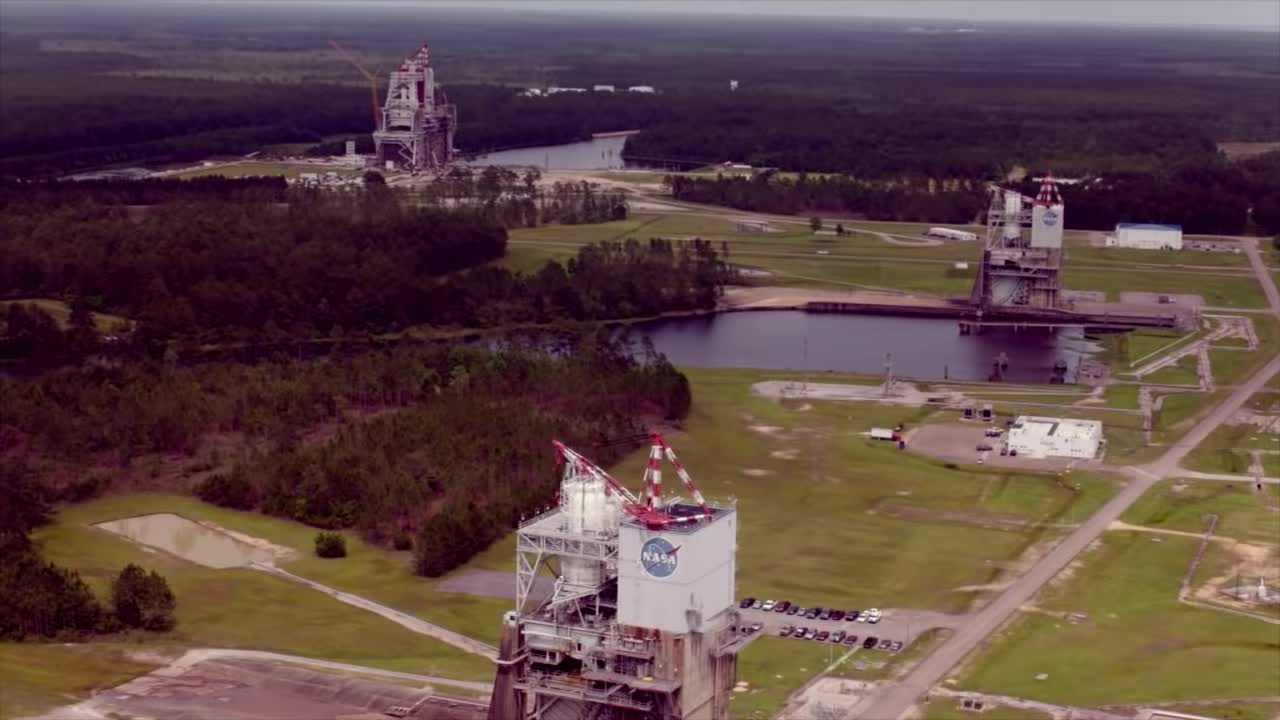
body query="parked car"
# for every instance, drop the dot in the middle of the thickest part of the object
(885, 644)
(1004, 449)
(757, 604)
(851, 640)
(794, 609)
(782, 606)
(838, 636)
(875, 615)
(864, 615)
(851, 615)
(810, 633)
(800, 632)
(897, 645)
(870, 642)
(813, 613)
(983, 447)
(837, 615)
(825, 614)
(757, 627)
(746, 602)
(767, 605)
(785, 631)
(822, 636)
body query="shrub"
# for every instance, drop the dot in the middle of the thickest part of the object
(232, 491)
(143, 599)
(331, 545)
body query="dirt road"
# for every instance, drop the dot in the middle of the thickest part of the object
(894, 700)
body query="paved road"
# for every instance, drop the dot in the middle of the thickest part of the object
(1260, 270)
(894, 700)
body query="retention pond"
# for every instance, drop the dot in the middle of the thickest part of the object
(190, 540)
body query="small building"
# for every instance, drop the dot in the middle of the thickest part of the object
(1042, 437)
(733, 85)
(753, 226)
(648, 89)
(601, 88)
(1146, 236)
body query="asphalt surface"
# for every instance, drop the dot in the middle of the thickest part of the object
(894, 700)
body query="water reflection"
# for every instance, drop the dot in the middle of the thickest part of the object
(188, 540)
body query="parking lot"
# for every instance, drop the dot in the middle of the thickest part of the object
(959, 441)
(895, 625)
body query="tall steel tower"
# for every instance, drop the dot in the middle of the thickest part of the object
(641, 624)
(417, 124)
(1019, 269)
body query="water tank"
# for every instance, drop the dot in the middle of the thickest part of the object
(590, 511)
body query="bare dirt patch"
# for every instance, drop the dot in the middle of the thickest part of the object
(756, 472)
(791, 454)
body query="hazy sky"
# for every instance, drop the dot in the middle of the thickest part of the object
(1253, 14)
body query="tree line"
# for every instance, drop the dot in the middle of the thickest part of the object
(1213, 198)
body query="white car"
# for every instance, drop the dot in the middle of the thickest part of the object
(864, 615)
(768, 605)
(874, 615)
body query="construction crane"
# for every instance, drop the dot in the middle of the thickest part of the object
(650, 509)
(373, 83)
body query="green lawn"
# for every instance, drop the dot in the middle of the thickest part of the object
(1225, 448)
(250, 169)
(773, 668)
(1122, 396)
(1142, 346)
(1236, 291)
(1184, 372)
(39, 677)
(1242, 513)
(61, 313)
(1137, 644)
(1129, 257)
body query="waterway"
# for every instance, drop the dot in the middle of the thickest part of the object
(920, 347)
(601, 153)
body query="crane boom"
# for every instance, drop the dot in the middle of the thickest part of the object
(373, 82)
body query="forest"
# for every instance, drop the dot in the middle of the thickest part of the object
(439, 448)
(212, 271)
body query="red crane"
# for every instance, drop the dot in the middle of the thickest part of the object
(650, 510)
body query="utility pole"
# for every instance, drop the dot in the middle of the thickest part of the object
(888, 373)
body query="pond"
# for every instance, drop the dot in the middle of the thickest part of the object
(925, 348)
(188, 540)
(602, 153)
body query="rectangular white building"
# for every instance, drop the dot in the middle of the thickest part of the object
(1042, 437)
(1147, 236)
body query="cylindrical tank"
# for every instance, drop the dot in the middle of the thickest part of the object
(1012, 209)
(589, 510)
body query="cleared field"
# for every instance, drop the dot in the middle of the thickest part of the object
(1129, 257)
(1137, 643)
(61, 313)
(1181, 504)
(1226, 448)
(1234, 711)
(942, 708)
(773, 668)
(243, 608)
(250, 169)
(1219, 290)
(872, 514)
(1183, 372)
(39, 677)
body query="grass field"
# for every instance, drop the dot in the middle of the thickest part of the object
(38, 677)
(250, 169)
(1137, 644)
(1235, 291)
(1225, 450)
(1183, 372)
(773, 668)
(1242, 513)
(61, 313)
(941, 708)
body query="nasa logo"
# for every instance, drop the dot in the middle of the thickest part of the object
(1050, 218)
(658, 557)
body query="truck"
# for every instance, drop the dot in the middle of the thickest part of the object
(883, 434)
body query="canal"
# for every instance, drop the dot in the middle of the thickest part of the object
(920, 347)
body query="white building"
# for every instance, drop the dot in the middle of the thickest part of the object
(951, 234)
(641, 89)
(1041, 437)
(1146, 236)
(601, 88)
